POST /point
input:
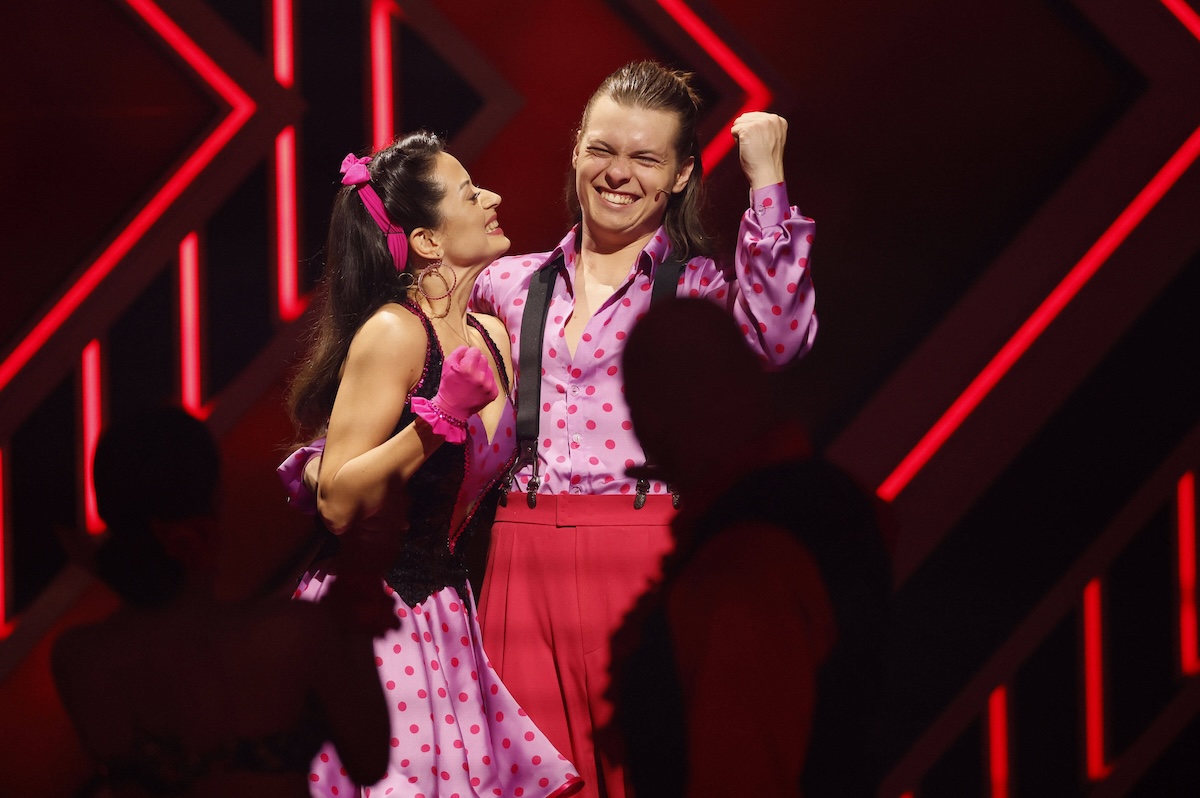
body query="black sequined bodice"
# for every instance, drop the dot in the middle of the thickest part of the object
(434, 555)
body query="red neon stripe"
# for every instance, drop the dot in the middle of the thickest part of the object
(291, 304)
(190, 388)
(93, 418)
(382, 108)
(5, 626)
(242, 109)
(1149, 196)
(1093, 682)
(998, 741)
(758, 96)
(285, 56)
(1185, 502)
(1184, 13)
(1037, 323)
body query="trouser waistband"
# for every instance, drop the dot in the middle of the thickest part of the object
(571, 510)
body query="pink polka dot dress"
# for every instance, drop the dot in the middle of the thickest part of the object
(456, 732)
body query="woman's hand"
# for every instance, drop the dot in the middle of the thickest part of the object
(467, 387)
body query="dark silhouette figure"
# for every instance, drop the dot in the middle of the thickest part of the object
(182, 693)
(754, 667)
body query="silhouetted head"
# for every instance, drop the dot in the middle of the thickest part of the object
(693, 386)
(152, 469)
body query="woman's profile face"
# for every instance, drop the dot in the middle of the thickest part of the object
(470, 230)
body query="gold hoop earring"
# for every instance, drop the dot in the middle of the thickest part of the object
(434, 271)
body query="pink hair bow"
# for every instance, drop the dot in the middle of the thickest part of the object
(354, 170)
(355, 173)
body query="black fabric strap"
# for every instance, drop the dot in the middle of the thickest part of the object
(666, 281)
(533, 334)
(529, 390)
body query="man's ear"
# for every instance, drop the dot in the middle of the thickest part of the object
(425, 243)
(685, 174)
(576, 148)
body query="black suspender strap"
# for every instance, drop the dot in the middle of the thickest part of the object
(664, 284)
(666, 281)
(529, 366)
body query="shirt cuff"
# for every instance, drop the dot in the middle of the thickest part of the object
(770, 204)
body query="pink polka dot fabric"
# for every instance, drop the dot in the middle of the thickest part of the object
(456, 730)
(585, 436)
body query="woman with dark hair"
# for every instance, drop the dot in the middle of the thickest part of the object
(180, 692)
(403, 381)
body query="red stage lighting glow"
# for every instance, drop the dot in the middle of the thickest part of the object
(1066, 290)
(93, 419)
(382, 109)
(5, 626)
(241, 109)
(1185, 504)
(190, 377)
(287, 291)
(1037, 323)
(1093, 682)
(1185, 14)
(285, 54)
(291, 304)
(997, 722)
(758, 96)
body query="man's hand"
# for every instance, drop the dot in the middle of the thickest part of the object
(761, 137)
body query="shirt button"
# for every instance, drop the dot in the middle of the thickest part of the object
(576, 490)
(574, 390)
(576, 438)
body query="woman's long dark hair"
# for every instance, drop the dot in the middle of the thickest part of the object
(360, 275)
(648, 84)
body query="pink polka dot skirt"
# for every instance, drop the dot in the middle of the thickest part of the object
(456, 731)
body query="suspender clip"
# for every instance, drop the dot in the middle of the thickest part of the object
(639, 497)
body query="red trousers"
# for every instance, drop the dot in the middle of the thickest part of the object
(559, 581)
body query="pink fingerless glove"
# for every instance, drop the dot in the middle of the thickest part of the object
(291, 474)
(467, 387)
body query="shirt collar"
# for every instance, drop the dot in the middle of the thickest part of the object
(654, 253)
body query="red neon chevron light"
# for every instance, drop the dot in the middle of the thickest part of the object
(1184, 13)
(758, 96)
(1059, 298)
(241, 109)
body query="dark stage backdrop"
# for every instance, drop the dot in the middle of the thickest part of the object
(1007, 265)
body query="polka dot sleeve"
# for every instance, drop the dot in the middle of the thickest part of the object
(772, 295)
